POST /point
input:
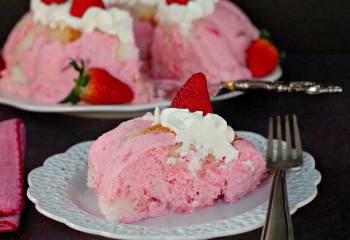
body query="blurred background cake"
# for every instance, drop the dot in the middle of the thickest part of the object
(205, 35)
(150, 45)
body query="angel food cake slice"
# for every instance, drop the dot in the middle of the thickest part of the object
(180, 159)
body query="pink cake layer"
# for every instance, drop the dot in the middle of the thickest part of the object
(43, 63)
(217, 47)
(129, 169)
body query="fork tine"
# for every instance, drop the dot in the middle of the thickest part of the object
(298, 145)
(279, 138)
(269, 156)
(288, 139)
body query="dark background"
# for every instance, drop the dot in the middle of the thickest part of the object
(296, 25)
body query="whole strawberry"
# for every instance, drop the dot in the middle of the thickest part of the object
(49, 2)
(194, 95)
(96, 86)
(180, 2)
(79, 7)
(263, 58)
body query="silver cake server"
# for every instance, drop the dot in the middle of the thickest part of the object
(311, 88)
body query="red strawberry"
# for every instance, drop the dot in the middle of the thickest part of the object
(97, 86)
(49, 2)
(2, 64)
(79, 7)
(181, 2)
(263, 58)
(194, 95)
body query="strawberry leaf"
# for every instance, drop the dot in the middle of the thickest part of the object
(72, 98)
(81, 82)
(264, 33)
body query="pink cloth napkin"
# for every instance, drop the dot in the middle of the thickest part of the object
(12, 145)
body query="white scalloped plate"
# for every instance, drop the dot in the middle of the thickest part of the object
(59, 191)
(111, 111)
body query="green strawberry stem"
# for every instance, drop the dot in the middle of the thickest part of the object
(265, 34)
(72, 98)
(283, 54)
(81, 82)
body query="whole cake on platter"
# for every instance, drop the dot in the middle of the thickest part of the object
(181, 159)
(149, 46)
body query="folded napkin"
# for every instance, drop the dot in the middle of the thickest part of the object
(12, 145)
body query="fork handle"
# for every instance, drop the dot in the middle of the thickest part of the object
(278, 224)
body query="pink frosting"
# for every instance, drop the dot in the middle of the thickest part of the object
(136, 170)
(45, 64)
(216, 47)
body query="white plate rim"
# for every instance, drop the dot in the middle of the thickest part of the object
(23, 104)
(312, 175)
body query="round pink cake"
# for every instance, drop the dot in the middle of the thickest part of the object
(138, 171)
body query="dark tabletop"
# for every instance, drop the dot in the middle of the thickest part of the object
(324, 122)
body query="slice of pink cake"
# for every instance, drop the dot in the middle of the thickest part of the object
(177, 160)
(139, 171)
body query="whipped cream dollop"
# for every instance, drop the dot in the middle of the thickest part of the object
(200, 135)
(185, 15)
(112, 21)
(132, 2)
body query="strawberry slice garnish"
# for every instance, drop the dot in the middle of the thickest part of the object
(180, 2)
(96, 86)
(49, 2)
(79, 7)
(263, 58)
(194, 95)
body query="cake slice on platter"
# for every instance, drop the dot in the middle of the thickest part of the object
(41, 46)
(181, 159)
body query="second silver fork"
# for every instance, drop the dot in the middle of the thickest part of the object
(278, 224)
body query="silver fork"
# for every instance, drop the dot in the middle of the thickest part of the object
(278, 224)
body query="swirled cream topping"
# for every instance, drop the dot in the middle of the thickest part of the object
(200, 135)
(185, 15)
(111, 21)
(132, 2)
